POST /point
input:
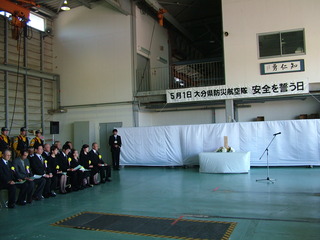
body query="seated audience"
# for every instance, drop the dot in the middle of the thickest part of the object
(104, 169)
(86, 163)
(22, 171)
(39, 166)
(9, 181)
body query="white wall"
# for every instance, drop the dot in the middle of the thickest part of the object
(93, 55)
(279, 110)
(95, 62)
(147, 119)
(244, 19)
(93, 49)
(151, 36)
(272, 111)
(95, 115)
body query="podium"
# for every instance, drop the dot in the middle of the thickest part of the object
(218, 162)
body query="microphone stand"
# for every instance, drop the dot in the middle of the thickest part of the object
(268, 179)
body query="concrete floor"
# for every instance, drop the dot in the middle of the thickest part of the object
(287, 209)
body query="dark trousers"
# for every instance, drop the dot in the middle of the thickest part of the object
(53, 184)
(30, 190)
(24, 188)
(73, 179)
(46, 190)
(105, 173)
(39, 186)
(115, 158)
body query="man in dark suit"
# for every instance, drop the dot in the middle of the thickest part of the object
(38, 167)
(8, 181)
(115, 144)
(46, 150)
(104, 169)
(23, 171)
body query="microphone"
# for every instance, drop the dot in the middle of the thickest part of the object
(276, 134)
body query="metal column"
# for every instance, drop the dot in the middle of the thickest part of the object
(229, 110)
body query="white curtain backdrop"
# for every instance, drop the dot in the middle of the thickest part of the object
(298, 143)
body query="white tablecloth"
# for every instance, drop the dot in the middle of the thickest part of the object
(234, 162)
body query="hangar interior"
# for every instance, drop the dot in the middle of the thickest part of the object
(105, 64)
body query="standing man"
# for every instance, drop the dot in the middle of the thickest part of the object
(20, 142)
(8, 181)
(4, 140)
(37, 141)
(115, 144)
(104, 169)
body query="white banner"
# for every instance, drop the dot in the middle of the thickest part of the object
(227, 92)
(298, 143)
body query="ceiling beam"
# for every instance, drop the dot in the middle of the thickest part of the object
(156, 6)
(45, 11)
(60, 5)
(116, 5)
(85, 3)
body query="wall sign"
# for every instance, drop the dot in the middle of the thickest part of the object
(282, 67)
(229, 92)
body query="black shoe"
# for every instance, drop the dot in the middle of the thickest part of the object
(22, 203)
(53, 194)
(47, 195)
(11, 205)
(103, 181)
(108, 180)
(38, 198)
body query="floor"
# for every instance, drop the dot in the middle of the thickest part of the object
(287, 209)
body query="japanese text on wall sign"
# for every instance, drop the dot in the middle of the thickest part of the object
(224, 92)
(282, 67)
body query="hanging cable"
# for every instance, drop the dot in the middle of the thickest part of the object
(148, 60)
(17, 81)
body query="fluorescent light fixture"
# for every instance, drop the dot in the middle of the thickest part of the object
(65, 6)
(143, 50)
(160, 59)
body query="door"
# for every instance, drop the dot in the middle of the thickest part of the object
(81, 134)
(105, 131)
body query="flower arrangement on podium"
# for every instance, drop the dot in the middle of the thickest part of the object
(225, 149)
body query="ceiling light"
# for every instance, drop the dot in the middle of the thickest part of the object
(65, 6)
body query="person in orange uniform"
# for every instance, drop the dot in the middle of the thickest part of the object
(20, 142)
(37, 141)
(4, 140)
